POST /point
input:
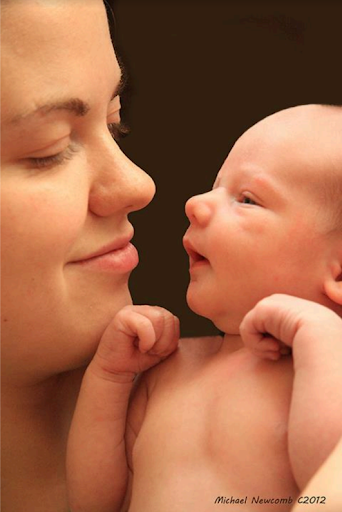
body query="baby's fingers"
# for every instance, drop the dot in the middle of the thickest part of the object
(136, 325)
(262, 346)
(155, 329)
(259, 331)
(266, 344)
(168, 336)
(151, 330)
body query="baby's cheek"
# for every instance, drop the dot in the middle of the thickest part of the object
(303, 244)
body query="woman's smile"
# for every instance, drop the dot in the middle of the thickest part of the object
(122, 259)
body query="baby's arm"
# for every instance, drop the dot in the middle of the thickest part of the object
(315, 334)
(138, 338)
(325, 486)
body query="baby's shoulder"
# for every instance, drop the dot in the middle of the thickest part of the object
(199, 346)
(191, 354)
(195, 351)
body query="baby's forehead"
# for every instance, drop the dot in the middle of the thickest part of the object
(302, 143)
(297, 126)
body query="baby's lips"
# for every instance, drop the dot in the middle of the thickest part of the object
(285, 350)
(192, 252)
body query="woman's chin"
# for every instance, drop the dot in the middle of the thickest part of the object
(85, 328)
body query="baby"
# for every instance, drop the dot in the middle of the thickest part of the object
(216, 422)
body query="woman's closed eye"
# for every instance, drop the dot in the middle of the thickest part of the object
(117, 131)
(49, 161)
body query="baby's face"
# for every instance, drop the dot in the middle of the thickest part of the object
(260, 229)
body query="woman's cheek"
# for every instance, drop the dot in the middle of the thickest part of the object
(43, 221)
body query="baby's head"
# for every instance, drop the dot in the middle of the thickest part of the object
(273, 221)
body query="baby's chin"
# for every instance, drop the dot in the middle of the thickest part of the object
(195, 304)
(222, 320)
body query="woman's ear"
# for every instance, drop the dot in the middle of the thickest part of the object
(333, 283)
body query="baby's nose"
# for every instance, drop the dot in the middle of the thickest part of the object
(198, 210)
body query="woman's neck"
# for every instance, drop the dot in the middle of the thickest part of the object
(35, 424)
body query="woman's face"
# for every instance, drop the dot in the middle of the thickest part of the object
(67, 188)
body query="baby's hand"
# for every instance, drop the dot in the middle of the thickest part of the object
(138, 338)
(279, 322)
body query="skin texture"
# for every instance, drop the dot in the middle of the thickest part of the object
(326, 482)
(278, 168)
(213, 419)
(54, 311)
(315, 335)
(138, 338)
(54, 213)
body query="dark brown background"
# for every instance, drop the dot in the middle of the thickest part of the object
(200, 74)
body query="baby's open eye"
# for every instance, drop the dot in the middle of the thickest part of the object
(247, 200)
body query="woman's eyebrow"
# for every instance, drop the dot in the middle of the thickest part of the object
(76, 106)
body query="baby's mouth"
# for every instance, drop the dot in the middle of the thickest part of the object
(195, 258)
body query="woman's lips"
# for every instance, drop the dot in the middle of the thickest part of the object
(121, 260)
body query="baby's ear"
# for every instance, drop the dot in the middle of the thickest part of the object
(333, 283)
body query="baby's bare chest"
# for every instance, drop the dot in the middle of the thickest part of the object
(222, 426)
(221, 413)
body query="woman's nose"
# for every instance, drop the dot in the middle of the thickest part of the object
(119, 185)
(198, 210)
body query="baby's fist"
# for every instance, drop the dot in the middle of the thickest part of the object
(138, 338)
(280, 322)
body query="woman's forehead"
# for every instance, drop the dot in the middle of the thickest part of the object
(42, 22)
(58, 63)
